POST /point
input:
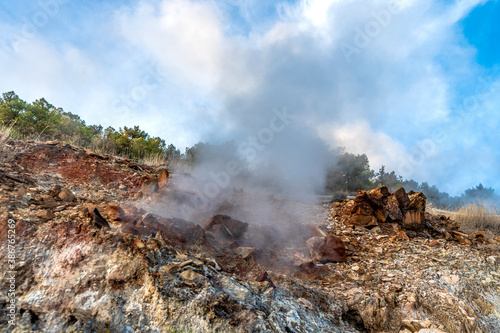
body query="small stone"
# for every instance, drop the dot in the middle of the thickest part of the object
(66, 195)
(434, 243)
(305, 303)
(491, 260)
(190, 277)
(403, 236)
(45, 214)
(115, 212)
(245, 252)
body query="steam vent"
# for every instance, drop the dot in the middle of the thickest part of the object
(129, 248)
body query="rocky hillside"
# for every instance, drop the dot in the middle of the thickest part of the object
(103, 244)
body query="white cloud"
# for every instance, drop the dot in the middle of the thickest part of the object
(396, 88)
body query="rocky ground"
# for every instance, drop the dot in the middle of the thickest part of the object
(104, 244)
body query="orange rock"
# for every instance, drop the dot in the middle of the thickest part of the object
(115, 212)
(163, 178)
(403, 236)
(434, 243)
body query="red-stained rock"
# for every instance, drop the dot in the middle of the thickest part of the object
(163, 178)
(226, 227)
(327, 249)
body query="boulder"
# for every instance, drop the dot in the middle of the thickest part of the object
(327, 249)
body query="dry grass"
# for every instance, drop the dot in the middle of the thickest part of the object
(478, 217)
(154, 160)
(5, 131)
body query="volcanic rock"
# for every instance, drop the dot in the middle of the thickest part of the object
(391, 207)
(99, 221)
(45, 214)
(327, 249)
(402, 198)
(226, 227)
(136, 230)
(163, 178)
(414, 220)
(66, 195)
(115, 212)
(417, 201)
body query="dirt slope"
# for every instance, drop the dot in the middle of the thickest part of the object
(158, 270)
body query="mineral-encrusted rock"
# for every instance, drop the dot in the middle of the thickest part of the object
(327, 249)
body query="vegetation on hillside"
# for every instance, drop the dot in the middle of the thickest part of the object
(41, 120)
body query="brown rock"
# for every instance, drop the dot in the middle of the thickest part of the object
(391, 207)
(417, 201)
(66, 195)
(380, 215)
(190, 277)
(327, 249)
(402, 198)
(380, 192)
(163, 178)
(45, 214)
(414, 220)
(403, 236)
(478, 235)
(135, 230)
(149, 186)
(115, 212)
(308, 267)
(315, 231)
(226, 227)
(434, 243)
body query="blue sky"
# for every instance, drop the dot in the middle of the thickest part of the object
(413, 84)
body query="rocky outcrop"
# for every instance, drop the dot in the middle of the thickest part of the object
(377, 207)
(367, 267)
